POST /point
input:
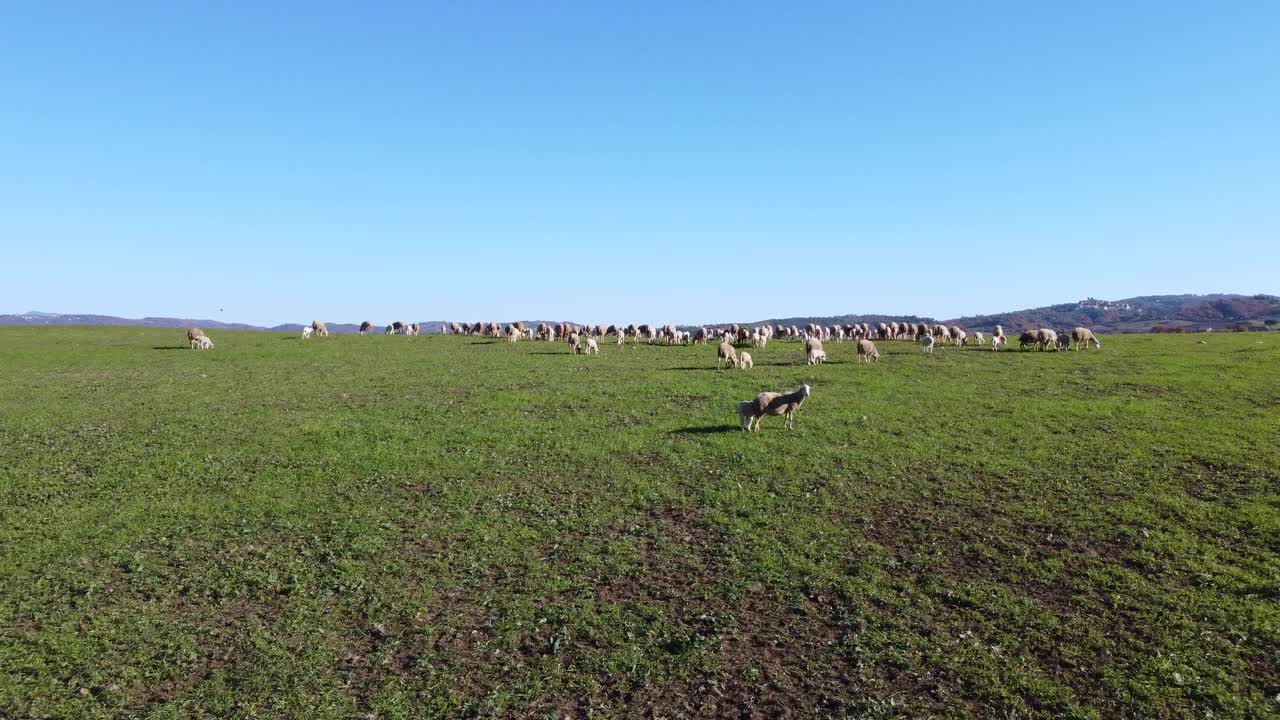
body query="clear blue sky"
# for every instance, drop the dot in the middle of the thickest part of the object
(686, 161)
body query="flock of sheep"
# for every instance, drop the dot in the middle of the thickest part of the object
(585, 339)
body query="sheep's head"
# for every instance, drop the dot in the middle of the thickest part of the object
(806, 390)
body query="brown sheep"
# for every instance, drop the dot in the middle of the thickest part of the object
(192, 335)
(320, 329)
(575, 343)
(750, 412)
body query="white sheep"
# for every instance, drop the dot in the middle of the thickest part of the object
(203, 343)
(927, 341)
(593, 348)
(979, 338)
(817, 357)
(744, 360)
(998, 341)
(726, 353)
(1084, 336)
(750, 412)
(306, 332)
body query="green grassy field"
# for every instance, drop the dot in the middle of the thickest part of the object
(431, 527)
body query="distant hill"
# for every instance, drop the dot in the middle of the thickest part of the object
(1141, 314)
(1137, 314)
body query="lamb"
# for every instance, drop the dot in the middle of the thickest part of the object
(817, 357)
(927, 342)
(321, 330)
(745, 361)
(1084, 336)
(750, 412)
(998, 342)
(726, 353)
(306, 332)
(593, 348)
(391, 330)
(367, 325)
(978, 338)
(1064, 341)
(193, 335)
(203, 343)
(575, 345)
(812, 343)
(1026, 339)
(958, 336)
(867, 350)
(998, 333)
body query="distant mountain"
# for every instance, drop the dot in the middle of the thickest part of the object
(42, 318)
(1137, 314)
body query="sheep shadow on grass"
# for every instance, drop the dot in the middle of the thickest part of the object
(707, 430)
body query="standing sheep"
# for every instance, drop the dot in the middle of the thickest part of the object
(927, 342)
(319, 327)
(203, 343)
(978, 338)
(750, 412)
(868, 351)
(575, 345)
(306, 332)
(998, 342)
(193, 335)
(726, 353)
(1026, 339)
(593, 348)
(1084, 336)
(817, 357)
(745, 361)
(1046, 339)
(365, 327)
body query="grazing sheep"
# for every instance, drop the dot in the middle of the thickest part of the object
(455, 328)
(958, 336)
(1046, 339)
(868, 351)
(998, 342)
(391, 330)
(1084, 336)
(817, 357)
(978, 338)
(193, 335)
(726, 353)
(997, 333)
(927, 342)
(306, 332)
(593, 348)
(812, 343)
(203, 343)
(417, 328)
(575, 343)
(745, 361)
(750, 412)
(365, 327)
(700, 336)
(321, 330)
(1064, 341)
